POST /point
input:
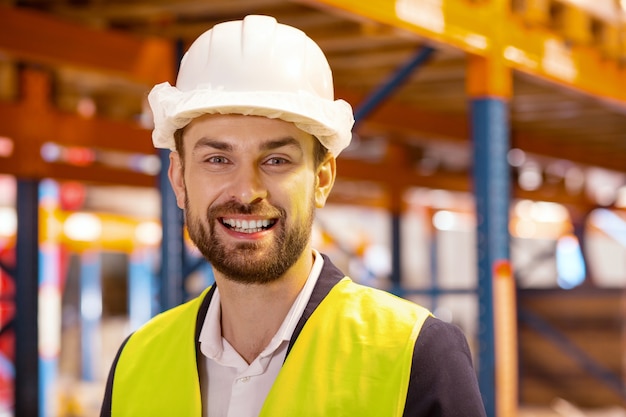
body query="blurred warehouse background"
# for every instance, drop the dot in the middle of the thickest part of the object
(486, 181)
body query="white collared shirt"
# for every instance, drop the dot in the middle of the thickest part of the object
(236, 389)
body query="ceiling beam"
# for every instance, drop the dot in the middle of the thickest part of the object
(36, 37)
(418, 122)
(99, 174)
(404, 118)
(394, 172)
(140, 10)
(33, 122)
(496, 33)
(395, 178)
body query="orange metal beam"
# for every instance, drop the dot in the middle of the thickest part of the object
(399, 177)
(35, 37)
(488, 78)
(23, 123)
(94, 173)
(495, 32)
(395, 178)
(34, 121)
(401, 118)
(587, 155)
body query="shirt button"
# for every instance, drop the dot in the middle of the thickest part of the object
(244, 379)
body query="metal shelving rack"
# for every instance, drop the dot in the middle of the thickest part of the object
(549, 40)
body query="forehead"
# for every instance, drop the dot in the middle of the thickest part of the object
(242, 131)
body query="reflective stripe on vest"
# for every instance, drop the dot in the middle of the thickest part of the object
(353, 357)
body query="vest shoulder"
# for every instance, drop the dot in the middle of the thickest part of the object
(370, 310)
(383, 301)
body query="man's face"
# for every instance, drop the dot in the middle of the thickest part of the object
(249, 187)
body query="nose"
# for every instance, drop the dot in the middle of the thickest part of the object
(248, 186)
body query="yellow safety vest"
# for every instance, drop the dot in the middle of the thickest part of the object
(352, 358)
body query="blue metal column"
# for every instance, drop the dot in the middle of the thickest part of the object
(434, 262)
(396, 251)
(172, 248)
(90, 313)
(141, 287)
(490, 86)
(490, 132)
(27, 290)
(49, 297)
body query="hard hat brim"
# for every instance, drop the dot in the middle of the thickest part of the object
(330, 121)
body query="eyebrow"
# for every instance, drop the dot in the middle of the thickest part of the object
(279, 143)
(265, 146)
(212, 143)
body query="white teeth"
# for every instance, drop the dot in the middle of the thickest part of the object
(247, 226)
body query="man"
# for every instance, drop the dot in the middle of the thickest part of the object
(254, 131)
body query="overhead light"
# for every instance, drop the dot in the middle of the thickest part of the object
(6, 146)
(83, 227)
(149, 233)
(444, 220)
(569, 262)
(8, 222)
(86, 107)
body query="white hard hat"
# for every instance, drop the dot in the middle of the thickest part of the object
(259, 67)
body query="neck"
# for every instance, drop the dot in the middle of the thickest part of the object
(253, 313)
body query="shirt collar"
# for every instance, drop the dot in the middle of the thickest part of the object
(211, 341)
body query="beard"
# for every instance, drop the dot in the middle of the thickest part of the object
(250, 262)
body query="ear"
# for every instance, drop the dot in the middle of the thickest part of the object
(325, 178)
(176, 175)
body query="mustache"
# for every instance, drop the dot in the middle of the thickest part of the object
(234, 207)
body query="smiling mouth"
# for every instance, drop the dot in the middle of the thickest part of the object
(248, 226)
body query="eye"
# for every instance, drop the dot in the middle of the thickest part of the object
(275, 160)
(217, 160)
